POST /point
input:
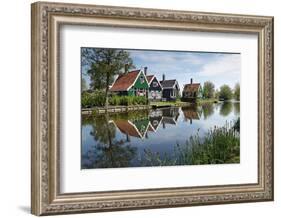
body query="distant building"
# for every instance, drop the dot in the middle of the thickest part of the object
(192, 91)
(133, 83)
(170, 89)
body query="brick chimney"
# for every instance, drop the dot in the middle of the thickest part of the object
(145, 70)
(191, 81)
(163, 77)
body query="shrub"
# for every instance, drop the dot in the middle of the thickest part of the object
(97, 98)
(86, 100)
(127, 100)
(114, 100)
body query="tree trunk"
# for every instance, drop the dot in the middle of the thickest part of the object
(106, 92)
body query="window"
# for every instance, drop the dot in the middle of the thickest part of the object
(155, 84)
(141, 79)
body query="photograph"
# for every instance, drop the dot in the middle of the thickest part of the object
(150, 108)
(138, 108)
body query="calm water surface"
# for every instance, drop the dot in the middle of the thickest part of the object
(121, 140)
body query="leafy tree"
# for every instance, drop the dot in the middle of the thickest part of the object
(236, 92)
(103, 65)
(217, 94)
(208, 89)
(225, 92)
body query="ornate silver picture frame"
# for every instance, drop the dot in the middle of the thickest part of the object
(47, 19)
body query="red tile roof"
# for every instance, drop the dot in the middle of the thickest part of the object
(191, 87)
(124, 81)
(149, 78)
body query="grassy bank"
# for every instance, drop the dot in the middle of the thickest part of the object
(206, 101)
(169, 103)
(218, 146)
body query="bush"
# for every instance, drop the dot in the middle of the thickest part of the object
(127, 100)
(114, 100)
(86, 100)
(96, 98)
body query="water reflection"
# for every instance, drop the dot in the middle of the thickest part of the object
(226, 108)
(208, 110)
(191, 113)
(120, 140)
(108, 152)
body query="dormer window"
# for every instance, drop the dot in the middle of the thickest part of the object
(155, 84)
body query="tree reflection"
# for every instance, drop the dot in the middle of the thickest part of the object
(226, 108)
(236, 108)
(115, 155)
(208, 110)
(109, 151)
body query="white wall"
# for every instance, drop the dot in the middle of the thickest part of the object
(15, 108)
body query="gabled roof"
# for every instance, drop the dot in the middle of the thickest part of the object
(149, 78)
(168, 83)
(191, 87)
(125, 81)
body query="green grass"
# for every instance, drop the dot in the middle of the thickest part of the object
(219, 146)
(168, 103)
(201, 101)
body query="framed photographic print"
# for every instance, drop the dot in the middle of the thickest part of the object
(137, 108)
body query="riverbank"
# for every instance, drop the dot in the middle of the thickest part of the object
(160, 104)
(207, 101)
(152, 105)
(114, 109)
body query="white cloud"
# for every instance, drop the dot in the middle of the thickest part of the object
(167, 57)
(225, 64)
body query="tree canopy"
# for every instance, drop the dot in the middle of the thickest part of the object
(208, 89)
(225, 92)
(104, 64)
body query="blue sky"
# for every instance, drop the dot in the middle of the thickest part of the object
(220, 68)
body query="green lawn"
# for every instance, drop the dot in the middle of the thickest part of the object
(168, 103)
(205, 101)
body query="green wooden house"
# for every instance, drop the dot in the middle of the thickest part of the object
(133, 83)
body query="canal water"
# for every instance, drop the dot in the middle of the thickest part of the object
(129, 139)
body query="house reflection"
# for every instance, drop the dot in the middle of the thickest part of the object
(138, 126)
(170, 116)
(155, 119)
(191, 113)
